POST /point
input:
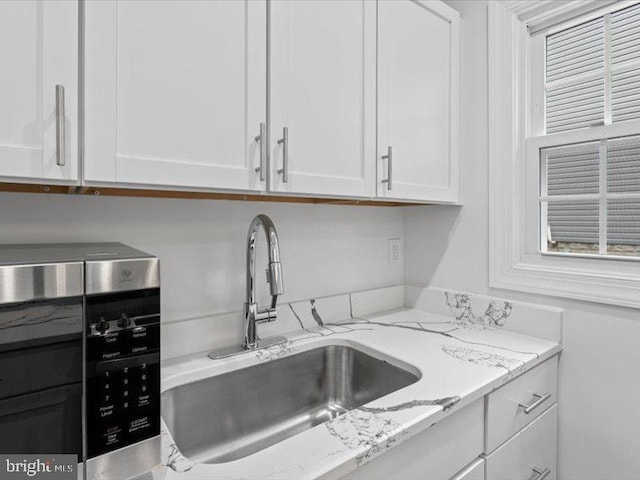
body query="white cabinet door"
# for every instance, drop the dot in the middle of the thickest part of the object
(175, 92)
(322, 65)
(434, 454)
(529, 455)
(418, 45)
(38, 51)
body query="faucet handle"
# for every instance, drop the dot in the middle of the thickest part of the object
(266, 315)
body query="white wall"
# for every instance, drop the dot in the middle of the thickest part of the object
(201, 243)
(448, 247)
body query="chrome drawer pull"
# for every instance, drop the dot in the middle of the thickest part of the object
(60, 127)
(262, 138)
(541, 474)
(540, 400)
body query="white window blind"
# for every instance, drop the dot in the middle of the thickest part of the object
(593, 72)
(623, 191)
(590, 197)
(570, 197)
(590, 191)
(625, 64)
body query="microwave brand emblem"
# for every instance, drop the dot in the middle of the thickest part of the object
(125, 275)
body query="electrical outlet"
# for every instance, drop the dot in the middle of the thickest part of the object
(395, 251)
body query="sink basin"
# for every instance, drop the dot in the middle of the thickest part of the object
(229, 416)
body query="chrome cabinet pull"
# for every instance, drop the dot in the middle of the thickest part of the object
(60, 127)
(262, 138)
(540, 400)
(389, 158)
(285, 154)
(541, 474)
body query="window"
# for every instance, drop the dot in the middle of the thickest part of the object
(590, 191)
(564, 148)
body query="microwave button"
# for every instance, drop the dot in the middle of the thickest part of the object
(102, 325)
(106, 411)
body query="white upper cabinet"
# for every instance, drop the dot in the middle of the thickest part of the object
(322, 67)
(38, 90)
(175, 92)
(418, 44)
(361, 96)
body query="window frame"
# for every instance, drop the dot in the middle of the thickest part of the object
(516, 127)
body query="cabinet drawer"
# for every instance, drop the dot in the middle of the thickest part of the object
(437, 453)
(506, 407)
(530, 453)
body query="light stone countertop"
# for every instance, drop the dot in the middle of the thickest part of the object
(459, 361)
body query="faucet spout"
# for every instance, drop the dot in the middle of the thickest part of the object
(274, 270)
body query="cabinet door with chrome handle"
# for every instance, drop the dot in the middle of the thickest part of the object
(323, 76)
(192, 113)
(39, 91)
(417, 99)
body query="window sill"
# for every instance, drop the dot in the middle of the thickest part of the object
(586, 284)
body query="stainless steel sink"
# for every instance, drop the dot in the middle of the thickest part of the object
(230, 416)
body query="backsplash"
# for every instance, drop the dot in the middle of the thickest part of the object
(325, 250)
(182, 338)
(480, 310)
(459, 310)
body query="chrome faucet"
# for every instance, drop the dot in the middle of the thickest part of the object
(253, 314)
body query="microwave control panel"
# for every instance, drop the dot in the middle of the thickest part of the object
(123, 369)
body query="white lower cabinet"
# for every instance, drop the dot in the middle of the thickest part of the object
(530, 454)
(438, 453)
(510, 434)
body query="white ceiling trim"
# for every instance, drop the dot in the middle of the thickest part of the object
(539, 15)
